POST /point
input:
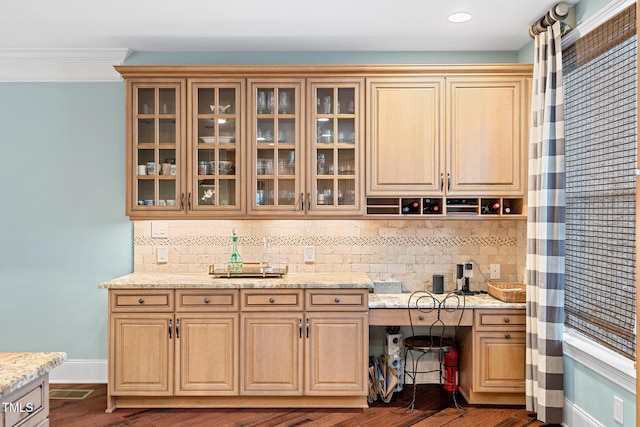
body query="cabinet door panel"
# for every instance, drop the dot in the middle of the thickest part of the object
(207, 354)
(155, 139)
(501, 362)
(272, 354)
(336, 358)
(486, 129)
(405, 123)
(276, 115)
(142, 354)
(216, 140)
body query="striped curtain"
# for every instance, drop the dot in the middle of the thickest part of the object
(546, 232)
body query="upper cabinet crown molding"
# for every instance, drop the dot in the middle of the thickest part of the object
(130, 71)
(61, 65)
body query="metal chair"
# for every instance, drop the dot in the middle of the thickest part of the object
(426, 311)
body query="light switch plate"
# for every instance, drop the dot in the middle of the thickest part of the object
(159, 229)
(309, 254)
(162, 253)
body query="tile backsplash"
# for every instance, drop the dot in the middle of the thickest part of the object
(409, 251)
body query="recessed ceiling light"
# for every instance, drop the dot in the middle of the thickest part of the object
(459, 17)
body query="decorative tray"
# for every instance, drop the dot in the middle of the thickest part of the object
(249, 269)
(508, 291)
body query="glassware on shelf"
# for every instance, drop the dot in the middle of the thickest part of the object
(326, 105)
(262, 102)
(283, 103)
(270, 103)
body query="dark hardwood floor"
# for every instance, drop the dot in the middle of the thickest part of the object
(433, 408)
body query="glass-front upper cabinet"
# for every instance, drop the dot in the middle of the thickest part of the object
(216, 146)
(335, 146)
(156, 140)
(276, 111)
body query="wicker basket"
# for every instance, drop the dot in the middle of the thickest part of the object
(508, 291)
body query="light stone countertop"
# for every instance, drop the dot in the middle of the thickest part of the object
(471, 301)
(353, 280)
(18, 369)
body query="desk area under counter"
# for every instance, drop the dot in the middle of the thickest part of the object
(491, 344)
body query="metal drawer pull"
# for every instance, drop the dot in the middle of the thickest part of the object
(178, 328)
(169, 328)
(206, 300)
(272, 300)
(421, 317)
(307, 328)
(337, 300)
(141, 301)
(300, 328)
(506, 320)
(507, 336)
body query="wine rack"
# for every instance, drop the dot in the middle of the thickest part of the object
(434, 207)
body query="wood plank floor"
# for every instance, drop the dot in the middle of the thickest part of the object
(433, 409)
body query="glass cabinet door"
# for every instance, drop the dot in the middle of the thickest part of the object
(336, 147)
(275, 111)
(216, 141)
(156, 140)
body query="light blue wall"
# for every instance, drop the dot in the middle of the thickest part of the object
(594, 394)
(318, 58)
(63, 228)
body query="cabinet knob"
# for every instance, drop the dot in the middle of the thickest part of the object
(272, 300)
(507, 336)
(506, 320)
(337, 300)
(206, 300)
(141, 301)
(421, 317)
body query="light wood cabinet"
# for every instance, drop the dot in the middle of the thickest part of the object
(273, 353)
(142, 351)
(229, 348)
(306, 157)
(453, 144)
(405, 118)
(289, 141)
(337, 349)
(28, 406)
(487, 132)
(492, 358)
(185, 147)
(207, 354)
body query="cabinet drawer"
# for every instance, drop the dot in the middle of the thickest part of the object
(28, 405)
(500, 320)
(337, 300)
(206, 300)
(160, 300)
(265, 300)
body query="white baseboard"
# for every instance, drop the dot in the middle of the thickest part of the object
(576, 417)
(80, 371)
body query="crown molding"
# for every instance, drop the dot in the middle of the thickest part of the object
(61, 65)
(595, 20)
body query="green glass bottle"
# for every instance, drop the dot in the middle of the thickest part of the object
(234, 264)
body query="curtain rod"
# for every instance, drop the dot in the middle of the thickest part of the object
(557, 13)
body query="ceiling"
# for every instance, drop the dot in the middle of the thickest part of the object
(273, 25)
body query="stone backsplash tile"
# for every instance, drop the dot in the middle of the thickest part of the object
(402, 250)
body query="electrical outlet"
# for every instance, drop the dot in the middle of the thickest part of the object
(309, 254)
(159, 229)
(162, 254)
(494, 271)
(618, 410)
